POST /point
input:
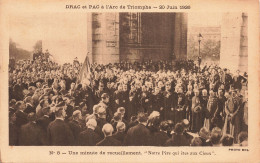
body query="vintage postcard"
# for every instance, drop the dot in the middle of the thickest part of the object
(130, 81)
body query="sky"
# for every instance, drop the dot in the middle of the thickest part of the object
(202, 19)
(65, 34)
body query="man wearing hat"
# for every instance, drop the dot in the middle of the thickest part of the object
(58, 132)
(89, 137)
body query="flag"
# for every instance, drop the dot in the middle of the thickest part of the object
(85, 73)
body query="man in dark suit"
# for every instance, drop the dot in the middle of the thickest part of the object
(31, 91)
(101, 120)
(75, 125)
(69, 108)
(120, 133)
(45, 120)
(133, 122)
(12, 108)
(204, 135)
(138, 135)
(58, 132)
(161, 136)
(43, 103)
(105, 104)
(29, 105)
(89, 137)
(157, 99)
(178, 139)
(186, 125)
(99, 92)
(108, 140)
(13, 130)
(21, 116)
(18, 90)
(31, 133)
(226, 79)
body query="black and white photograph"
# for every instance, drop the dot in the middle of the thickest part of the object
(162, 79)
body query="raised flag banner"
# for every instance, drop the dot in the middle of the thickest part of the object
(85, 73)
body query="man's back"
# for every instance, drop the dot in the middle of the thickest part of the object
(44, 121)
(59, 133)
(31, 135)
(138, 135)
(88, 138)
(100, 123)
(109, 141)
(159, 138)
(120, 136)
(75, 128)
(177, 140)
(29, 108)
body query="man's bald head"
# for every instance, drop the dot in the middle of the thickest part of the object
(107, 129)
(91, 123)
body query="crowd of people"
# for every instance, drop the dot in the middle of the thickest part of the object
(126, 104)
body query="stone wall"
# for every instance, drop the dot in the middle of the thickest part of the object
(234, 41)
(180, 35)
(105, 37)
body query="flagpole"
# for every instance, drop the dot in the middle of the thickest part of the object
(90, 85)
(81, 69)
(199, 58)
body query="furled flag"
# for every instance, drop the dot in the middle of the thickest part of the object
(85, 73)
